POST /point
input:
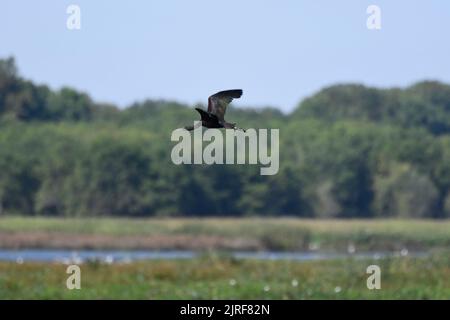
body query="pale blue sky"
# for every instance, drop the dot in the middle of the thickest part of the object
(277, 51)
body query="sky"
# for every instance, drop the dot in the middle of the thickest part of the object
(279, 52)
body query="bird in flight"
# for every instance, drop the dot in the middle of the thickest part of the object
(217, 106)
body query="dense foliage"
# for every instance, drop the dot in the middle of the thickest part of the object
(347, 151)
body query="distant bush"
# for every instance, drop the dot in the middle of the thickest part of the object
(347, 151)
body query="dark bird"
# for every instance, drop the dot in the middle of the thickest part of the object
(217, 106)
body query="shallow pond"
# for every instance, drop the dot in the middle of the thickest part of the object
(119, 256)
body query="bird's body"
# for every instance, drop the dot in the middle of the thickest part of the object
(217, 105)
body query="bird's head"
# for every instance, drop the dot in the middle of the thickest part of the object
(235, 127)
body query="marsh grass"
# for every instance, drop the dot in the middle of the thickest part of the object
(220, 277)
(266, 233)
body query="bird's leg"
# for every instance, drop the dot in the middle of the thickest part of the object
(190, 128)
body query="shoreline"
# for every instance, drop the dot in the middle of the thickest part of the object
(58, 240)
(252, 234)
(74, 241)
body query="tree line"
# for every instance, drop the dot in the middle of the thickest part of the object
(346, 151)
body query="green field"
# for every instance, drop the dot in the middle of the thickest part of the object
(279, 234)
(223, 278)
(215, 274)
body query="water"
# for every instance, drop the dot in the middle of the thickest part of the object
(118, 256)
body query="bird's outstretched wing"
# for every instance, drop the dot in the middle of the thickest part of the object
(217, 103)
